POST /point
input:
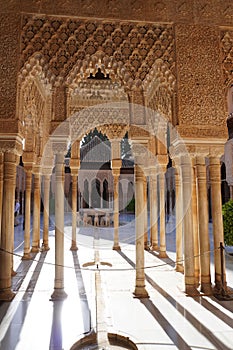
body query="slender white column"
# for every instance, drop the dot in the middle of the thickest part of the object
(203, 225)
(36, 215)
(45, 245)
(145, 213)
(89, 192)
(59, 293)
(7, 226)
(74, 212)
(116, 169)
(140, 290)
(101, 195)
(195, 228)
(215, 182)
(1, 187)
(186, 168)
(153, 210)
(27, 215)
(179, 222)
(116, 175)
(162, 248)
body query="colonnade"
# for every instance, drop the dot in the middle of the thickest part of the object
(192, 234)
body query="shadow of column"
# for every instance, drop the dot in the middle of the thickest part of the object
(56, 332)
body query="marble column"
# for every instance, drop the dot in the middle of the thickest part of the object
(7, 226)
(162, 231)
(116, 170)
(179, 221)
(189, 275)
(46, 182)
(203, 221)
(216, 201)
(146, 240)
(195, 227)
(101, 195)
(74, 211)
(116, 175)
(153, 210)
(1, 187)
(59, 293)
(36, 214)
(140, 290)
(27, 215)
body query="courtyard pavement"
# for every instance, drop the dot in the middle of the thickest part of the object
(99, 283)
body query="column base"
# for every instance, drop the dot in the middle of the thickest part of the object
(116, 247)
(73, 246)
(140, 292)
(180, 268)
(163, 255)
(155, 248)
(191, 290)
(58, 294)
(35, 250)
(44, 248)
(206, 288)
(7, 295)
(26, 256)
(13, 273)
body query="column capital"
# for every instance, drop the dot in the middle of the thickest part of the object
(74, 166)
(36, 169)
(116, 172)
(140, 153)
(11, 143)
(115, 132)
(162, 161)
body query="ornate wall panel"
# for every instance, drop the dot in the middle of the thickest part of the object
(63, 44)
(227, 55)
(9, 55)
(187, 11)
(200, 83)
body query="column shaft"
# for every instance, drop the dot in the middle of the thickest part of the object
(162, 249)
(140, 290)
(203, 226)
(1, 188)
(179, 223)
(45, 245)
(145, 213)
(59, 293)
(116, 245)
(188, 226)
(195, 228)
(36, 215)
(7, 226)
(27, 216)
(74, 212)
(153, 212)
(215, 181)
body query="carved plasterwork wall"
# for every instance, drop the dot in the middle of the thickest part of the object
(201, 104)
(186, 11)
(9, 34)
(93, 92)
(34, 113)
(227, 55)
(67, 46)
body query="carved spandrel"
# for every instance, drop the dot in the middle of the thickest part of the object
(9, 43)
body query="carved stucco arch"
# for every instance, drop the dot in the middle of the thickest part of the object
(34, 109)
(131, 48)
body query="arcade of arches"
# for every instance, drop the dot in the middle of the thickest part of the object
(161, 72)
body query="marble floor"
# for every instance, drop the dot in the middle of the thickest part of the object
(99, 283)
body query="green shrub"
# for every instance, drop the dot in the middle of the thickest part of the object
(227, 211)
